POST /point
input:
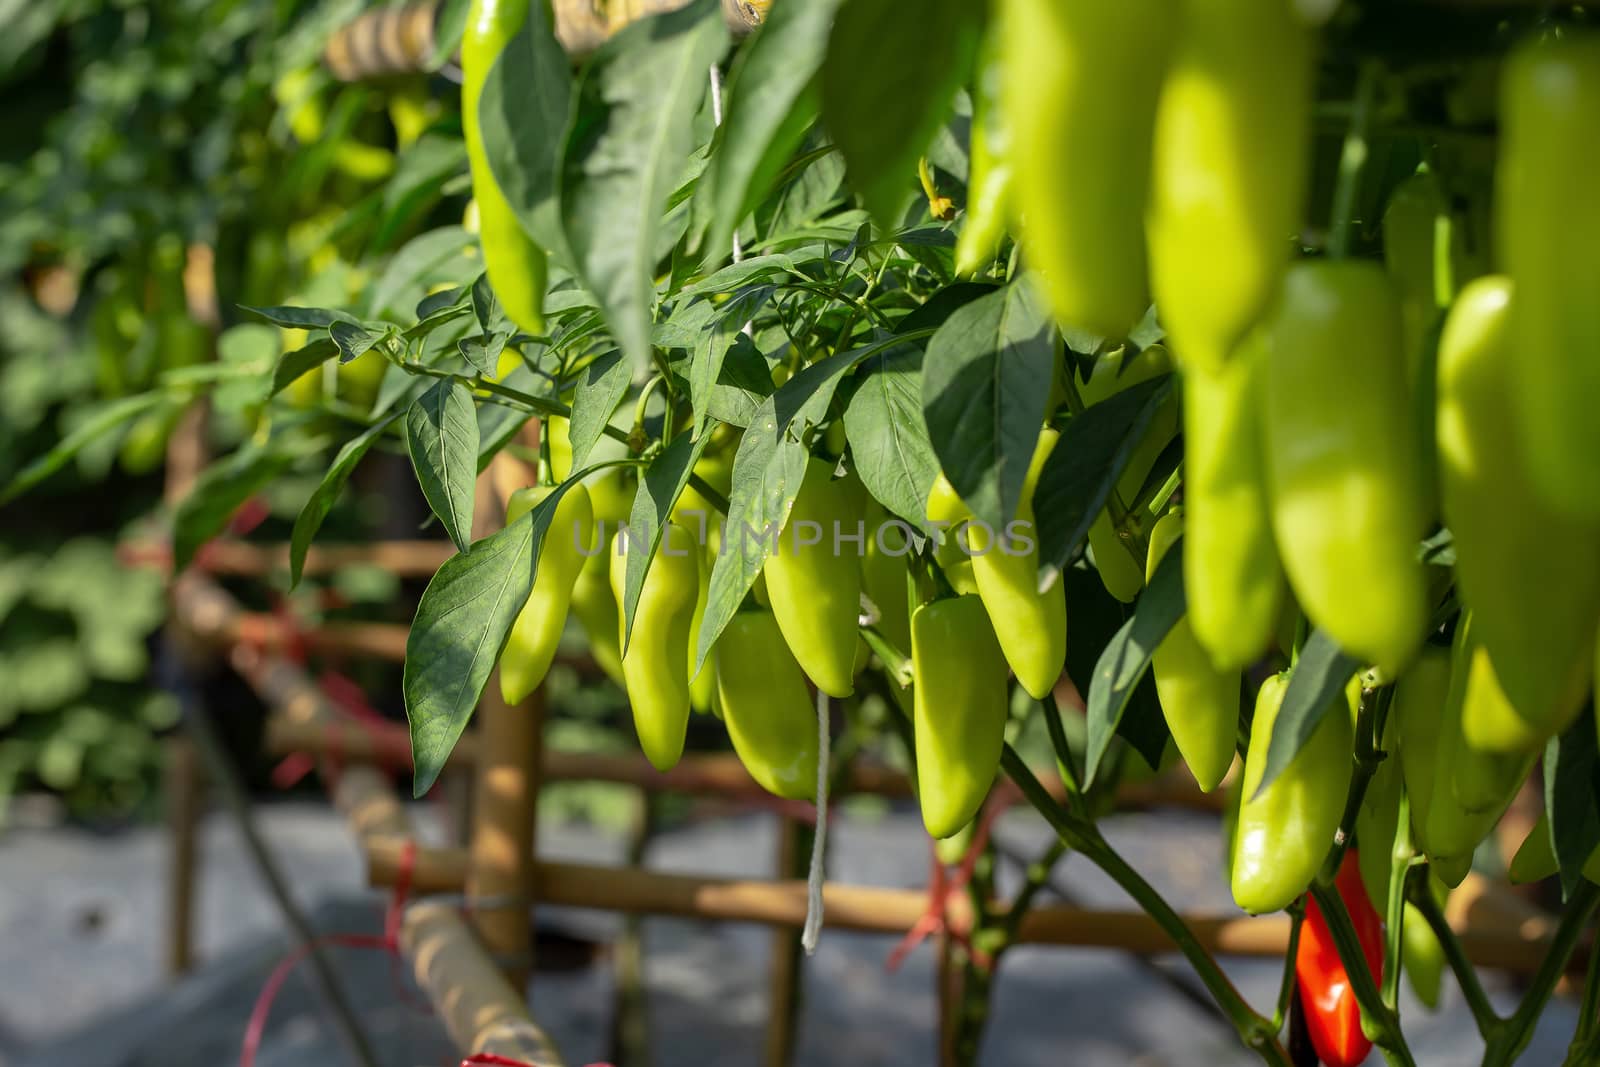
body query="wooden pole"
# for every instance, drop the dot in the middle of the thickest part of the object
(784, 966)
(483, 1012)
(500, 853)
(876, 909)
(183, 790)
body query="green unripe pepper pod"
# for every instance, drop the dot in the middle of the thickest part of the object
(1342, 462)
(1031, 625)
(1421, 956)
(884, 573)
(1120, 572)
(1231, 577)
(1547, 229)
(531, 646)
(1284, 834)
(1200, 702)
(959, 710)
(814, 579)
(1416, 230)
(1483, 781)
(1529, 574)
(1536, 859)
(655, 663)
(702, 686)
(1377, 820)
(516, 266)
(1079, 102)
(1232, 137)
(767, 706)
(597, 613)
(989, 170)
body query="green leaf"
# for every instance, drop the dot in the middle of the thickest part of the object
(744, 382)
(483, 351)
(217, 494)
(460, 626)
(524, 113)
(499, 423)
(352, 340)
(456, 299)
(1094, 449)
(738, 275)
(448, 27)
(711, 347)
(113, 417)
(605, 380)
(631, 133)
(1316, 687)
(767, 471)
(1571, 778)
(888, 438)
(659, 486)
(321, 501)
(442, 436)
(772, 100)
(985, 384)
(937, 309)
(292, 365)
(887, 83)
(297, 318)
(439, 255)
(1126, 658)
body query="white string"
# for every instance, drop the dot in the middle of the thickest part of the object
(813, 927)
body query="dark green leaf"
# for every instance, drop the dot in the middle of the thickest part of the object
(772, 102)
(1571, 778)
(352, 340)
(1094, 449)
(523, 113)
(908, 64)
(711, 347)
(767, 471)
(744, 383)
(1127, 657)
(444, 300)
(442, 436)
(1316, 685)
(114, 416)
(888, 439)
(460, 626)
(293, 364)
(321, 501)
(217, 494)
(448, 26)
(659, 486)
(605, 380)
(483, 351)
(439, 255)
(933, 312)
(985, 384)
(295, 318)
(631, 132)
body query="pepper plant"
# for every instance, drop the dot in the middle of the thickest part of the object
(1219, 368)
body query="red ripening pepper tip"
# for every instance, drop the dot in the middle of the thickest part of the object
(1332, 1014)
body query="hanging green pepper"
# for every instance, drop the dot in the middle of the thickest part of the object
(1079, 101)
(1342, 463)
(702, 685)
(1232, 136)
(1434, 756)
(1529, 574)
(1231, 575)
(1284, 834)
(516, 265)
(989, 168)
(1031, 626)
(960, 708)
(597, 612)
(814, 580)
(766, 706)
(1536, 859)
(531, 646)
(1548, 227)
(1200, 702)
(655, 663)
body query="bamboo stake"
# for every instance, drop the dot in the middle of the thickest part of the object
(876, 909)
(183, 790)
(481, 1010)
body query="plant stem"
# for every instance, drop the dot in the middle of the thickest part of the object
(1584, 1048)
(1066, 766)
(1509, 1041)
(1253, 1030)
(1297, 918)
(1351, 162)
(1401, 871)
(1374, 706)
(1375, 1015)
(1483, 1012)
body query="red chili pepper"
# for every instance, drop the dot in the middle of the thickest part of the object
(1332, 1015)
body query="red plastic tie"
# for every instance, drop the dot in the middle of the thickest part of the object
(942, 886)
